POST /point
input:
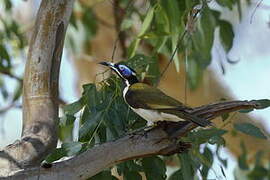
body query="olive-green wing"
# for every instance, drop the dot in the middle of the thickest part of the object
(141, 95)
(144, 96)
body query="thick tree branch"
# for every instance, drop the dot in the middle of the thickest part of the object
(161, 140)
(40, 92)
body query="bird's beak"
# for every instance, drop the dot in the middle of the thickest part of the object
(107, 64)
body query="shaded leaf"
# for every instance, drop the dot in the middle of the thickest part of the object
(263, 103)
(209, 156)
(186, 166)
(242, 160)
(55, 155)
(74, 107)
(177, 175)
(89, 126)
(71, 148)
(250, 129)
(226, 34)
(132, 175)
(203, 135)
(154, 168)
(104, 175)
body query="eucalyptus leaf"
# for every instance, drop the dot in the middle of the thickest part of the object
(226, 34)
(74, 107)
(186, 166)
(242, 159)
(147, 22)
(132, 175)
(154, 168)
(104, 175)
(55, 155)
(177, 175)
(72, 148)
(250, 129)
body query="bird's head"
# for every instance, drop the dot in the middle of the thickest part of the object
(123, 71)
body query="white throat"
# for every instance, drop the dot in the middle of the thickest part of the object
(126, 88)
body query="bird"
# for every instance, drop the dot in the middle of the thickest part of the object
(149, 102)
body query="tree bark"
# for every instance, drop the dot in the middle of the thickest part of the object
(40, 91)
(161, 140)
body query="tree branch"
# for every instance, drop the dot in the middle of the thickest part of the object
(160, 140)
(40, 92)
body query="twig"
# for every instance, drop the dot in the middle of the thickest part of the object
(253, 13)
(8, 73)
(119, 15)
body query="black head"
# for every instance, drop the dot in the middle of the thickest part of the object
(123, 71)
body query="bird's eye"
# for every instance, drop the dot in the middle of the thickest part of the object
(121, 68)
(125, 71)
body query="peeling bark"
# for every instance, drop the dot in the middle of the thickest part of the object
(40, 91)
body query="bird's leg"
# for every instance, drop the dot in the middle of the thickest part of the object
(145, 129)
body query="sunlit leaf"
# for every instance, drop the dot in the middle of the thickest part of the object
(147, 22)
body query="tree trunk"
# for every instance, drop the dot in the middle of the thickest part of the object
(40, 92)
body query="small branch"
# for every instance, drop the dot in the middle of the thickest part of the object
(8, 73)
(160, 140)
(119, 15)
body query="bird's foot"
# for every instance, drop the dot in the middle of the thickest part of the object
(142, 131)
(178, 147)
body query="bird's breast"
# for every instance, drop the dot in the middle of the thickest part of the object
(152, 116)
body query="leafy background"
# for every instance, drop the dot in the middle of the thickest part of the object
(185, 26)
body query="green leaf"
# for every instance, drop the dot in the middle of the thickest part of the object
(242, 160)
(225, 116)
(147, 22)
(104, 175)
(89, 126)
(67, 149)
(18, 92)
(8, 5)
(71, 148)
(226, 34)
(4, 55)
(154, 168)
(250, 129)
(186, 166)
(209, 156)
(258, 173)
(55, 155)
(133, 47)
(74, 107)
(132, 175)
(263, 103)
(203, 135)
(126, 24)
(177, 175)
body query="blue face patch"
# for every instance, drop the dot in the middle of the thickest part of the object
(125, 71)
